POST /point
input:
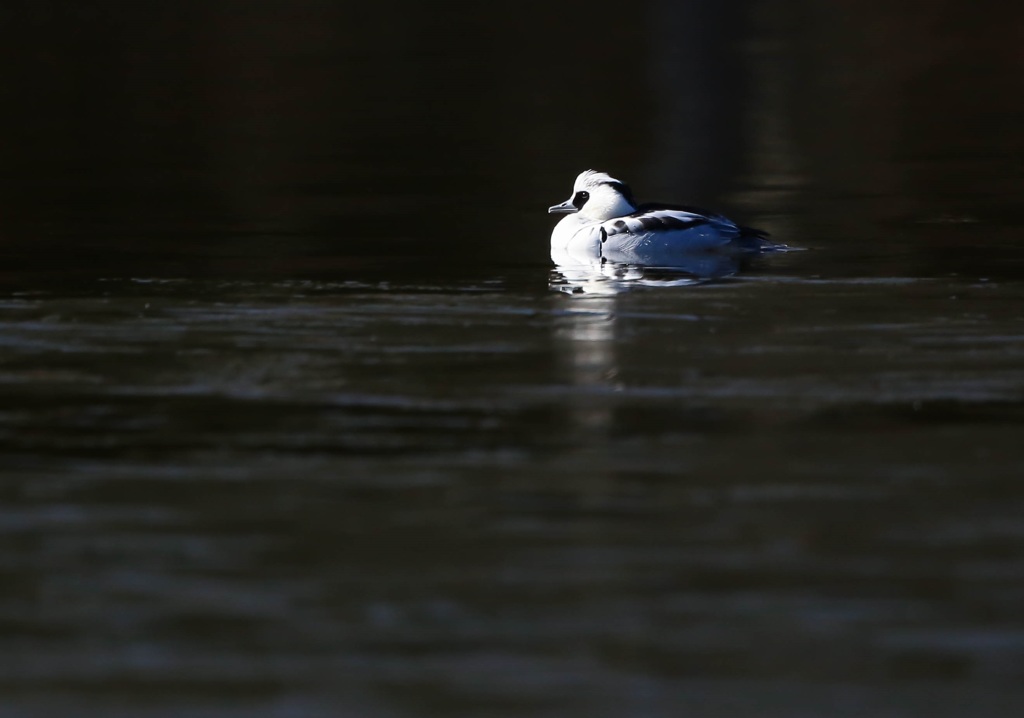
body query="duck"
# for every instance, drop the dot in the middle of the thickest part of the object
(603, 223)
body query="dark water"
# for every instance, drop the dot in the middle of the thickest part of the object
(296, 421)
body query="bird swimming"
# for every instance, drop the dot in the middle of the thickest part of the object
(604, 223)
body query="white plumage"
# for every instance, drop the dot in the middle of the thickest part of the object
(603, 222)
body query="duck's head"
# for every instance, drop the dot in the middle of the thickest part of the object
(598, 196)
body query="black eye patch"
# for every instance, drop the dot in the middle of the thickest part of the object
(580, 199)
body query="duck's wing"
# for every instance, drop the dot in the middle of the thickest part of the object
(667, 228)
(658, 218)
(691, 227)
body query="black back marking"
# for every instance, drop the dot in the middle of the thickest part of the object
(652, 222)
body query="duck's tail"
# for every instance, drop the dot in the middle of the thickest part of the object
(755, 240)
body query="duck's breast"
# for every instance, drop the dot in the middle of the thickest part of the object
(576, 241)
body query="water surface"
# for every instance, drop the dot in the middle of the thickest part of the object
(296, 419)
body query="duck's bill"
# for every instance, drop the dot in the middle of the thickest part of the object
(564, 208)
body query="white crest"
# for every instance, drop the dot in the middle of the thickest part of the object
(606, 198)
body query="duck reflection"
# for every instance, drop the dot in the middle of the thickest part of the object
(602, 277)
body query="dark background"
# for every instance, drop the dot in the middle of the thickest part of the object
(260, 136)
